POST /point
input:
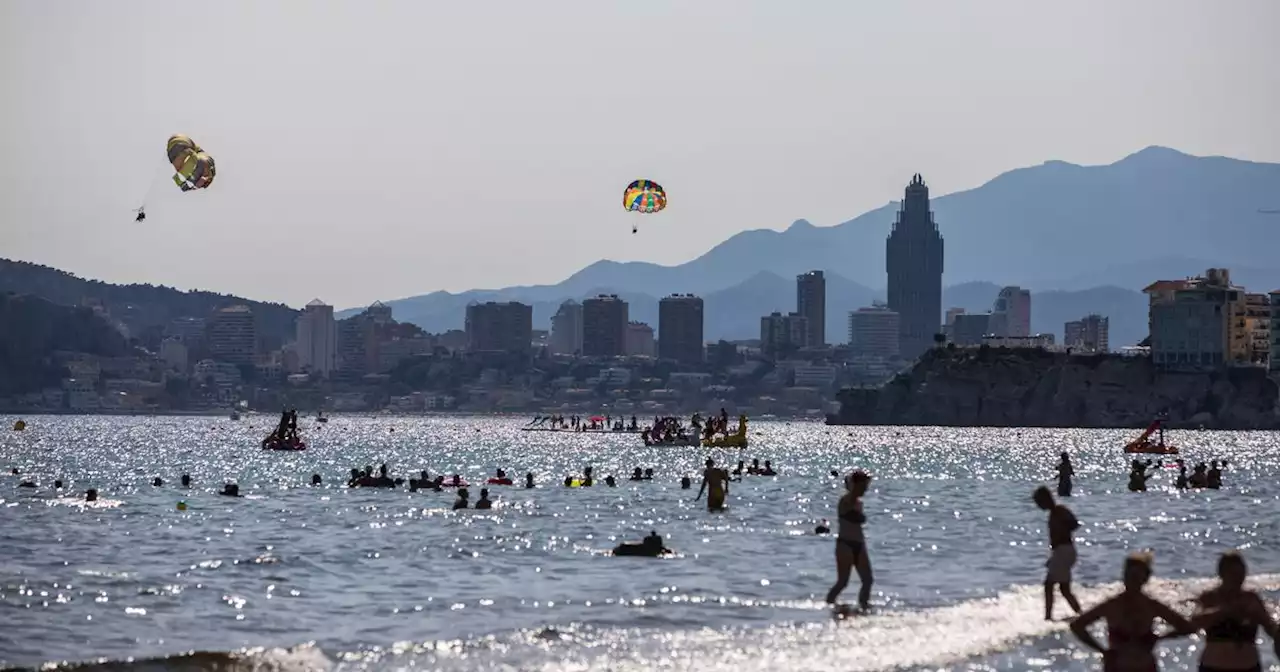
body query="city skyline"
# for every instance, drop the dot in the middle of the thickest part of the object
(339, 113)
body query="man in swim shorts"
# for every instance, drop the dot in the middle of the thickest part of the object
(1062, 551)
(715, 482)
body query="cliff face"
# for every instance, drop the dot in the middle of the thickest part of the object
(999, 387)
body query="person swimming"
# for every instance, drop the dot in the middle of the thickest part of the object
(1065, 472)
(686, 483)
(637, 475)
(186, 480)
(1231, 617)
(230, 490)
(1138, 476)
(768, 469)
(484, 501)
(715, 482)
(157, 482)
(1213, 479)
(316, 480)
(651, 547)
(528, 480)
(851, 545)
(1181, 482)
(1199, 479)
(461, 501)
(91, 495)
(610, 481)
(1130, 618)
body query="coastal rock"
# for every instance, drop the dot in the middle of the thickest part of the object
(1024, 387)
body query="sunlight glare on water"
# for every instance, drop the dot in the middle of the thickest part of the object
(387, 578)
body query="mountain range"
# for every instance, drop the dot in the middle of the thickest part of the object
(1082, 238)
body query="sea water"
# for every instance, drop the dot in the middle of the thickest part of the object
(297, 577)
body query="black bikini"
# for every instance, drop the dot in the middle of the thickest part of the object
(856, 517)
(1235, 630)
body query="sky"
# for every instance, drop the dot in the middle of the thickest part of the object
(377, 150)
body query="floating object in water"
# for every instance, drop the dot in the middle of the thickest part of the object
(182, 506)
(19, 425)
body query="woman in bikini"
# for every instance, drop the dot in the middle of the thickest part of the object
(1130, 617)
(851, 546)
(1230, 617)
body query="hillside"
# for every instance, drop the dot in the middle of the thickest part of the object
(1056, 226)
(142, 308)
(32, 328)
(998, 387)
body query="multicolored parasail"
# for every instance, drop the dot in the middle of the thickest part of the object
(645, 196)
(195, 169)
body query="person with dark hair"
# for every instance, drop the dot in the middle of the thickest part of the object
(1230, 617)
(851, 545)
(1065, 472)
(1130, 617)
(1062, 551)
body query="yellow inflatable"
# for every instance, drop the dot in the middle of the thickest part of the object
(737, 439)
(19, 426)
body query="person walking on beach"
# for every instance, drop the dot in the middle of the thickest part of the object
(1065, 472)
(1230, 617)
(715, 482)
(1062, 551)
(1130, 617)
(851, 545)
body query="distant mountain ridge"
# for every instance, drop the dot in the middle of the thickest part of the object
(1082, 238)
(141, 308)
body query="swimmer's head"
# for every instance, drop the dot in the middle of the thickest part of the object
(1137, 569)
(1043, 498)
(857, 481)
(1232, 569)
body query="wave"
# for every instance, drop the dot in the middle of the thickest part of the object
(928, 637)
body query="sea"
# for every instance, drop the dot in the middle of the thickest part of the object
(299, 577)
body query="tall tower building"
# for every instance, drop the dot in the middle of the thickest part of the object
(680, 329)
(913, 259)
(873, 332)
(499, 327)
(604, 326)
(566, 329)
(811, 302)
(317, 338)
(233, 335)
(1011, 313)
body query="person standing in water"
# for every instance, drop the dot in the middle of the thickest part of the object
(715, 482)
(1065, 472)
(1062, 553)
(851, 545)
(1230, 617)
(1130, 617)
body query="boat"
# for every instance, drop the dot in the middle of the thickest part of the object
(738, 439)
(679, 440)
(570, 430)
(273, 443)
(1145, 446)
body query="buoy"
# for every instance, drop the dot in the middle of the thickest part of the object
(19, 425)
(182, 506)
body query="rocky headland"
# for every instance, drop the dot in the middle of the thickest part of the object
(1016, 387)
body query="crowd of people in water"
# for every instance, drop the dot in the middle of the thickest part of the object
(595, 423)
(1140, 471)
(1228, 614)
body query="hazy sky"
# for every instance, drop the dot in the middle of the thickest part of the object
(383, 149)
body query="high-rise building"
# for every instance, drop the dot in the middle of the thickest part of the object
(1087, 334)
(1011, 313)
(640, 341)
(1258, 325)
(780, 335)
(913, 259)
(317, 338)
(233, 335)
(873, 332)
(499, 327)
(604, 326)
(1194, 323)
(680, 324)
(811, 302)
(566, 329)
(970, 328)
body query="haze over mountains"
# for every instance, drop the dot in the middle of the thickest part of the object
(1082, 238)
